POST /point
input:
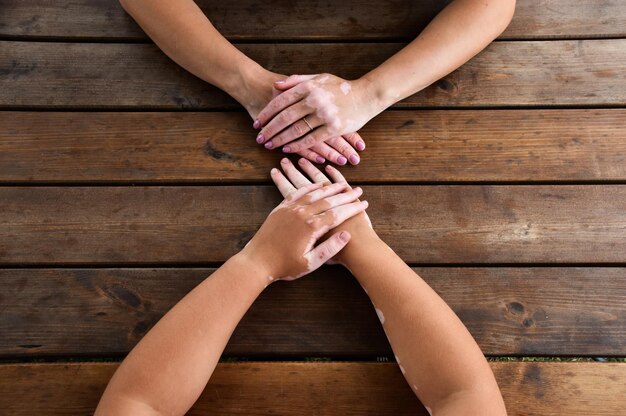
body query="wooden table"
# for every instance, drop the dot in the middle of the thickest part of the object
(503, 184)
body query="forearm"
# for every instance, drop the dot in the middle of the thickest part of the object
(187, 36)
(166, 372)
(438, 356)
(455, 35)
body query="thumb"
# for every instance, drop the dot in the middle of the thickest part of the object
(291, 81)
(328, 249)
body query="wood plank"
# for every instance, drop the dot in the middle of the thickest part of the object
(510, 311)
(70, 75)
(424, 224)
(428, 145)
(528, 389)
(299, 19)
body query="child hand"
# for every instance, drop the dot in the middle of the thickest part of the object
(313, 109)
(359, 226)
(285, 244)
(339, 149)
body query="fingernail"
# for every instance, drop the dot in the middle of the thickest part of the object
(320, 159)
(344, 236)
(367, 204)
(256, 124)
(342, 160)
(358, 189)
(282, 81)
(274, 171)
(360, 145)
(354, 159)
(268, 145)
(286, 149)
(260, 139)
(284, 161)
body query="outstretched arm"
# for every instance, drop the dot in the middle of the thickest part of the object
(334, 105)
(168, 369)
(187, 36)
(437, 355)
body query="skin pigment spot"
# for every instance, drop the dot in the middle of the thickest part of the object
(402, 369)
(397, 359)
(345, 88)
(270, 278)
(381, 317)
(428, 410)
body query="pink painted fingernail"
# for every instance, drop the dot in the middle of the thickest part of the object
(360, 145)
(320, 159)
(260, 139)
(344, 236)
(268, 145)
(354, 159)
(286, 149)
(256, 124)
(342, 160)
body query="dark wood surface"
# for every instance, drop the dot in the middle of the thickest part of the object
(423, 224)
(529, 388)
(86, 270)
(126, 76)
(510, 311)
(402, 146)
(310, 20)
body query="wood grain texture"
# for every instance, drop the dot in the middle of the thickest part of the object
(126, 76)
(509, 311)
(320, 20)
(424, 224)
(546, 389)
(403, 146)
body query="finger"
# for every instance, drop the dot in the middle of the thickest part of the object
(318, 135)
(280, 102)
(338, 215)
(299, 193)
(334, 173)
(330, 154)
(314, 173)
(312, 155)
(294, 175)
(327, 250)
(284, 186)
(342, 146)
(319, 197)
(297, 130)
(355, 140)
(291, 81)
(286, 118)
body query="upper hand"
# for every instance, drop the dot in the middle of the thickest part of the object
(285, 247)
(359, 226)
(340, 149)
(331, 105)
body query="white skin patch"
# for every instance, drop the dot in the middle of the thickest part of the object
(381, 317)
(270, 278)
(414, 387)
(402, 369)
(428, 410)
(345, 88)
(397, 359)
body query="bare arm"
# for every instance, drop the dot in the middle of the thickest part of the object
(437, 355)
(168, 369)
(187, 36)
(335, 105)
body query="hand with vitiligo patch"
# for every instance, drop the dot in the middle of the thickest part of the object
(285, 245)
(313, 109)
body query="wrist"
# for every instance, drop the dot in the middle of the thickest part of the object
(359, 247)
(373, 96)
(253, 87)
(257, 272)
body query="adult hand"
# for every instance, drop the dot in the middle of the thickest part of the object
(359, 226)
(313, 109)
(339, 149)
(285, 247)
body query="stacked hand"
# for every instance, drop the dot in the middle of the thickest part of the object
(285, 246)
(315, 116)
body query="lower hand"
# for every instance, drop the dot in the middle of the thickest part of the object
(359, 226)
(311, 110)
(285, 247)
(339, 149)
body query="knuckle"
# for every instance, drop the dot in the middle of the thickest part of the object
(284, 116)
(309, 141)
(297, 129)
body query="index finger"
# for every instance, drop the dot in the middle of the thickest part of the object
(314, 173)
(279, 103)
